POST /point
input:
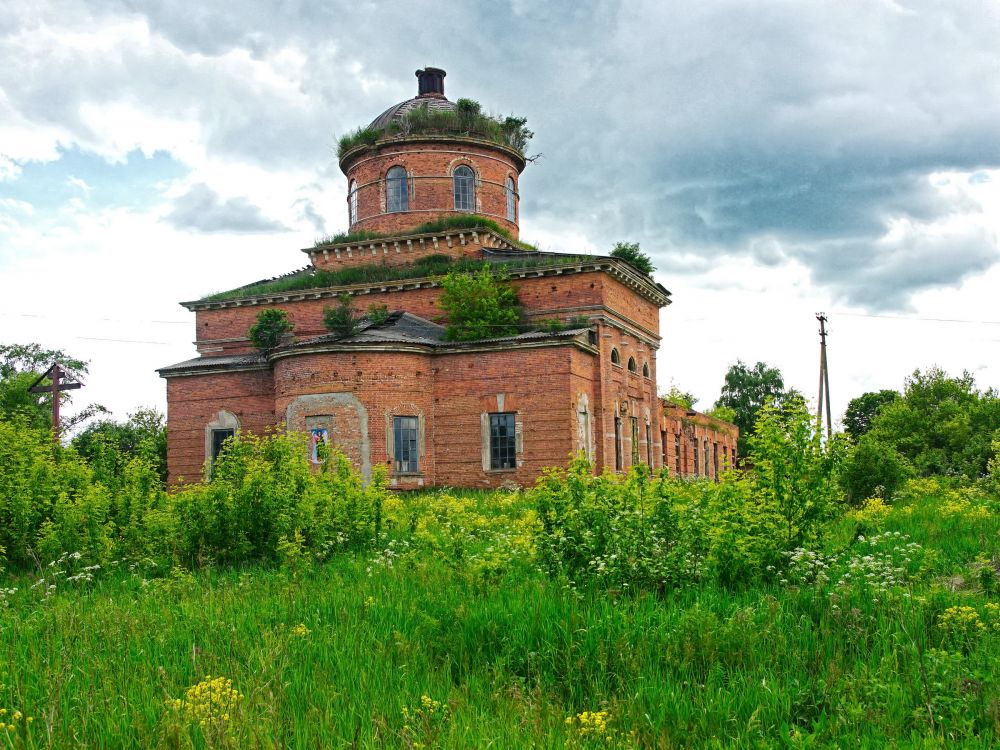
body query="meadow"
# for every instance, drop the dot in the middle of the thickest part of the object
(451, 631)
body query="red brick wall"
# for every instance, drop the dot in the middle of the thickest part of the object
(194, 401)
(429, 165)
(535, 384)
(627, 394)
(392, 253)
(695, 429)
(385, 384)
(539, 296)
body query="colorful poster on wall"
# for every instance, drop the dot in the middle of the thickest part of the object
(317, 436)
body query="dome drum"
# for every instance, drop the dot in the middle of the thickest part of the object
(414, 182)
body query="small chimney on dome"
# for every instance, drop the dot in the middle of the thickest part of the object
(430, 82)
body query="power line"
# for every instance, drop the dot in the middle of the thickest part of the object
(101, 320)
(920, 319)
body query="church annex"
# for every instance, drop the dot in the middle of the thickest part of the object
(472, 414)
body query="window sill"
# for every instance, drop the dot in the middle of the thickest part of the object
(501, 471)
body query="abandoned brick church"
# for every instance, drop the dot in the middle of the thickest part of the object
(424, 195)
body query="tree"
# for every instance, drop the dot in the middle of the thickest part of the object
(108, 445)
(631, 254)
(862, 410)
(270, 329)
(941, 424)
(681, 398)
(746, 391)
(20, 366)
(480, 305)
(342, 318)
(793, 470)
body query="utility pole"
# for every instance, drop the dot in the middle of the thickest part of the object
(55, 374)
(824, 378)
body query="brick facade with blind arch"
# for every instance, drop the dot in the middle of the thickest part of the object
(485, 413)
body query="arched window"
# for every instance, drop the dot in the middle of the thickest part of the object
(645, 369)
(352, 202)
(631, 364)
(397, 197)
(511, 207)
(615, 359)
(465, 189)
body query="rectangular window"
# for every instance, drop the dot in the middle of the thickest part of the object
(715, 458)
(694, 451)
(218, 438)
(618, 443)
(503, 442)
(405, 445)
(677, 453)
(649, 446)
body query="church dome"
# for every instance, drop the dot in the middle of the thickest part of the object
(430, 93)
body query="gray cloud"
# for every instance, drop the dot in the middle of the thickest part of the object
(701, 129)
(202, 210)
(881, 276)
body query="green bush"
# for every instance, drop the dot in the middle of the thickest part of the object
(631, 254)
(264, 493)
(480, 305)
(341, 318)
(270, 329)
(872, 468)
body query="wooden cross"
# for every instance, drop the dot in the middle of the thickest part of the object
(55, 374)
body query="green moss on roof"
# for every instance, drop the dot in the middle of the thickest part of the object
(470, 221)
(430, 266)
(466, 119)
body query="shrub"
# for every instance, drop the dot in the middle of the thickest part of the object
(480, 305)
(270, 329)
(377, 314)
(263, 492)
(631, 254)
(793, 471)
(873, 468)
(341, 319)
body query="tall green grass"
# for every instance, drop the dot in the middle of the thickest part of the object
(450, 605)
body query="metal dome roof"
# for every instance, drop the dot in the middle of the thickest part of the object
(396, 112)
(430, 92)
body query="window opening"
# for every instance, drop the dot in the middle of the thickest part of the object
(503, 444)
(352, 202)
(649, 445)
(511, 207)
(677, 453)
(615, 358)
(219, 438)
(694, 451)
(405, 445)
(706, 466)
(618, 443)
(631, 364)
(397, 196)
(635, 440)
(645, 369)
(465, 189)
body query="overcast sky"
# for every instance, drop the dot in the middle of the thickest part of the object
(775, 159)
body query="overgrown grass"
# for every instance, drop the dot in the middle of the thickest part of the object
(467, 119)
(429, 266)
(451, 606)
(471, 221)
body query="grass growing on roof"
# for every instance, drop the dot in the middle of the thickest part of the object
(470, 221)
(430, 266)
(467, 119)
